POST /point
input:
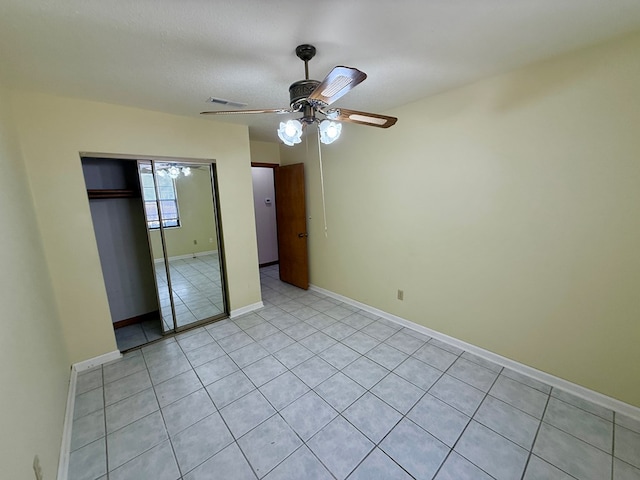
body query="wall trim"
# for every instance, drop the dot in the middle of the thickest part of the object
(188, 255)
(65, 445)
(125, 322)
(268, 264)
(556, 382)
(247, 309)
(95, 361)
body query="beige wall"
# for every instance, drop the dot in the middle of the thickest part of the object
(34, 367)
(197, 217)
(508, 211)
(52, 132)
(265, 152)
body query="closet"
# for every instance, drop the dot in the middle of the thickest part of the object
(157, 230)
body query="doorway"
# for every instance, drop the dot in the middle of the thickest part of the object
(264, 204)
(158, 234)
(288, 220)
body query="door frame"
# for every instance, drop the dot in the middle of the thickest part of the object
(217, 214)
(274, 167)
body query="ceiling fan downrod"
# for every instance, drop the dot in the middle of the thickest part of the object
(301, 89)
(305, 53)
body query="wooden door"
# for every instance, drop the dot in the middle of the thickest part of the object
(291, 216)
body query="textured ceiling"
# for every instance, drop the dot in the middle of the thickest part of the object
(171, 55)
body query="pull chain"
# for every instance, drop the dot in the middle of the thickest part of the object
(324, 209)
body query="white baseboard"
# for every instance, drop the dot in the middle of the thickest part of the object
(188, 255)
(65, 446)
(243, 310)
(556, 382)
(95, 361)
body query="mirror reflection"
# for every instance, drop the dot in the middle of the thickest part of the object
(181, 222)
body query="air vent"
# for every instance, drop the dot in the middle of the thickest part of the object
(229, 103)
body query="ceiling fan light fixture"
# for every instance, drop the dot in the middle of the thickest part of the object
(329, 131)
(290, 132)
(173, 171)
(332, 114)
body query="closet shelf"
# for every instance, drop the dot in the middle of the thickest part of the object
(113, 193)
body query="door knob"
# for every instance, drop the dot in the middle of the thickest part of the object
(302, 235)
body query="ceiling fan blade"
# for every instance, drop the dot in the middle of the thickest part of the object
(339, 81)
(245, 112)
(362, 118)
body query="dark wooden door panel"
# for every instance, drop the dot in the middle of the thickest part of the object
(292, 225)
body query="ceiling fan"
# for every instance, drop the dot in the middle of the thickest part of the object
(312, 97)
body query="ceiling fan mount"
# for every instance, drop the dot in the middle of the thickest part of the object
(312, 97)
(305, 52)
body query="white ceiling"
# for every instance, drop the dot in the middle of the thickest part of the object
(171, 55)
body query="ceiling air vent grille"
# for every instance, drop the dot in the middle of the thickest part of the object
(222, 101)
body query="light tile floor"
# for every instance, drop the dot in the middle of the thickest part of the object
(308, 388)
(197, 292)
(139, 334)
(197, 289)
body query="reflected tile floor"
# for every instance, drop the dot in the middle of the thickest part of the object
(197, 289)
(309, 388)
(197, 295)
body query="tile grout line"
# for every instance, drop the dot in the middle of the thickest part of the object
(225, 424)
(470, 417)
(277, 412)
(578, 406)
(256, 388)
(376, 445)
(169, 438)
(369, 390)
(535, 437)
(574, 436)
(304, 443)
(402, 415)
(104, 417)
(613, 445)
(235, 440)
(163, 421)
(339, 414)
(488, 394)
(175, 456)
(310, 390)
(578, 438)
(283, 293)
(541, 421)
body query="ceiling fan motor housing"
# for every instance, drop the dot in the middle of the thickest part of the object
(301, 89)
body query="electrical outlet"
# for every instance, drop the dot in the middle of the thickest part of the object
(37, 468)
(210, 239)
(195, 242)
(400, 294)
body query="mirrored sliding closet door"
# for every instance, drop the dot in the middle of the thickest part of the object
(182, 225)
